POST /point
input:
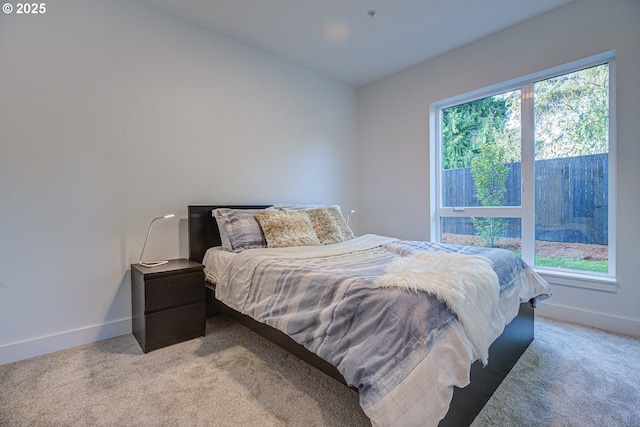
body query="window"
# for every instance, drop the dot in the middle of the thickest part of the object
(528, 166)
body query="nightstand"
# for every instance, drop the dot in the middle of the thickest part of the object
(167, 303)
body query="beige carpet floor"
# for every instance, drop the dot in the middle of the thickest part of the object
(569, 376)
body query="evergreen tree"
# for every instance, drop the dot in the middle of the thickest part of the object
(466, 127)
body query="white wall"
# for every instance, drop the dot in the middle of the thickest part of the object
(393, 133)
(112, 114)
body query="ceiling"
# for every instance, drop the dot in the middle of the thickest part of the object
(355, 41)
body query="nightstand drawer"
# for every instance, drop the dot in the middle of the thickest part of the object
(174, 325)
(172, 291)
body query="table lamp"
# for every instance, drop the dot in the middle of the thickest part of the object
(153, 263)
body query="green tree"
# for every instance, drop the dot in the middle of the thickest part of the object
(466, 127)
(572, 114)
(489, 175)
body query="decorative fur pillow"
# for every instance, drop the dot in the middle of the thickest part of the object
(287, 228)
(329, 224)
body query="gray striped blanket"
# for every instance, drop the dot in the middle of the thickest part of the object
(404, 351)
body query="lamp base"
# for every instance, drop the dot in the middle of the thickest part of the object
(153, 263)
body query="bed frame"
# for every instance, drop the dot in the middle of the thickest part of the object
(467, 402)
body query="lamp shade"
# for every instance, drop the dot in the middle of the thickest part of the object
(152, 263)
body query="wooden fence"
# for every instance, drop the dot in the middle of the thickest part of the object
(571, 199)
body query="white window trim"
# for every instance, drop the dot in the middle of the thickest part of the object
(586, 280)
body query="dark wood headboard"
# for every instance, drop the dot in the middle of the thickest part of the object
(203, 229)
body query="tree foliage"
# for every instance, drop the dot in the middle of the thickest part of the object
(572, 114)
(489, 175)
(571, 119)
(466, 127)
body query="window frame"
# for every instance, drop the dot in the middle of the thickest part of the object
(526, 212)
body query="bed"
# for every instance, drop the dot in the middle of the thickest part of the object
(385, 395)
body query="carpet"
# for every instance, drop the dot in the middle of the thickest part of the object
(570, 376)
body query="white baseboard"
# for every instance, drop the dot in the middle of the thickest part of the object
(38, 346)
(607, 322)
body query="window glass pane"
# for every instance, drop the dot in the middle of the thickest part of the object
(571, 170)
(502, 233)
(481, 152)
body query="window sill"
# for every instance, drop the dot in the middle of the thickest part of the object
(583, 280)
